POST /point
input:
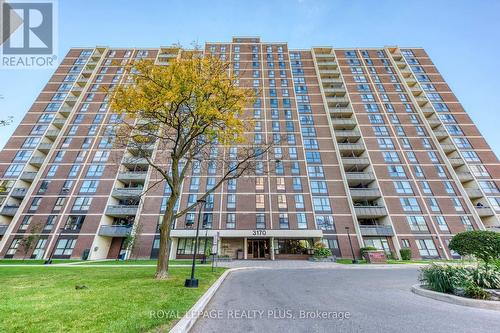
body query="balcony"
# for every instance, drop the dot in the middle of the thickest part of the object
(456, 161)
(365, 193)
(37, 161)
(370, 211)
(434, 122)
(376, 230)
(324, 55)
(65, 110)
(132, 161)
(427, 111)
(115, 230)
(136, 176)
(19, 193)
(448, 148)
(44, 147)
(59, 122)
(127, 193)
(3, 229)
(440, 135)
(347, 134)
(347, 123)
(340, 90)
(484, 211)
(332, 80)
(121, 210)
(474, 193)
(327, 62)
(340, 101)
(52, 134)
(327, 72)
(341, 111)
(9, 210)
(465, 176)
(359, 177)
(354, 147)
(28, 176)
(361, 162)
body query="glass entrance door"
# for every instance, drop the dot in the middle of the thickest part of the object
(258, 249)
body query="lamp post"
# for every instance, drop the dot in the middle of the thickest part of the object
(354, 261)
(192, 282)
(204, 260)
(49, 259)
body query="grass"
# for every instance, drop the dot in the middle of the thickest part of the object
(141, 262)
(391, 261)
(44, 299)
(34, 261)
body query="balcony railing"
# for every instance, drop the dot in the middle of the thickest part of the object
(121, 210)
(365, 193)
(44, 147)
(9, 210)
(351, 161)
(115, 230)
(370, 211)
(351, 147)
(136, 175)
(376, 230)
(127, 192)
(3, 229)
(28, 176)
(465, 176)
(456, 161)
(484, 211)
(19, 192)
(368, 176)
(473, 193)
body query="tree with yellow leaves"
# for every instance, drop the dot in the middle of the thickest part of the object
(187, 110)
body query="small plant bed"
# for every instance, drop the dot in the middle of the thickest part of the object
(321, 253)
(478, 282)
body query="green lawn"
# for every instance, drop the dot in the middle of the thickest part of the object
(390, 261)
(140, 262)
(118, 299)
(34, 261)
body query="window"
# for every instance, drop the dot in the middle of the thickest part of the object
(426, 188)
(301, 221)
(417, 223)
(403, 187)
(385, 143)
(390, 156)
(299, 201)
(324, 222)
(321, 204)
(457, 204)
(14, 170)
(13, 247)
(65, 247)
(466, 222)
(296, 184)
(283, 221)
(489, 187)
(259, 201)
(441, 222)
(89, 186)
(260, 221)
(82, 204)
(282, 201)
(396, 171)
(409, 204)
(35, 204)
(319, 187)
(433, 204)
(59, 204)
(74, 222)
(195, 184)
(231, 221)
(51, 220)
(405, 243)
(231, 201)
(26, 222)
(426, 248)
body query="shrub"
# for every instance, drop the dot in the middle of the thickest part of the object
(439, 278)
(366, 249)
(320, 250)
(405, 253)
(484, 245)
(486, 277)
(474, 291)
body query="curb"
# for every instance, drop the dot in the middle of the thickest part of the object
(453, 299)
(188, 320)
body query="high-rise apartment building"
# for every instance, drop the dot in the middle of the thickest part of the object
(369, 142)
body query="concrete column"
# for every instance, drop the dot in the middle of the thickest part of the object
(272, 247)
(245, 248)
(173, 248)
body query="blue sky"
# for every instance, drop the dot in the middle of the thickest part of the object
(462, 38)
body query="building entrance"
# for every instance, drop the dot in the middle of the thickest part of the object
(258, 249)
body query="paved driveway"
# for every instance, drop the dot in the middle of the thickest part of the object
(377, 300)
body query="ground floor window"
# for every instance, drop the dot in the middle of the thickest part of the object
(427, 248)
(378, 243)
(39, 248)
(13, 246)
(293, 246)
(65, 247)
(186, 245)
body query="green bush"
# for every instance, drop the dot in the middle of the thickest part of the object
(451, 279)
(474, 291)
(320, 250)
(405, 254)
(484, 245)
(366, 249)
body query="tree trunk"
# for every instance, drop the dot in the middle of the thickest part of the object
(164, 251)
